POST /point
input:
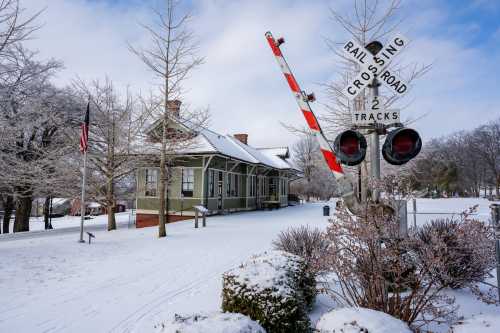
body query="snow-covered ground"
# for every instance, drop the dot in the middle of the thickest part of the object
(129, 280)
(444, 208)
(37, 224)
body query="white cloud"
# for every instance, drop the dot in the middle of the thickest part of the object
(90, 38)
(240, 80)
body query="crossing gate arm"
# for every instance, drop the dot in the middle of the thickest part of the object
(345, 184)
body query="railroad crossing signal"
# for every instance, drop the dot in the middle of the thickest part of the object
(401, 144)
(374, 65)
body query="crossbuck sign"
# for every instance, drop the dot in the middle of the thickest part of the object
(372, 66)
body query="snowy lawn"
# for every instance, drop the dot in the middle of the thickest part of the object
(37, 224)
(129, 280)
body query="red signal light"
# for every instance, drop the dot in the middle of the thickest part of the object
(401, 145)
(350, 147)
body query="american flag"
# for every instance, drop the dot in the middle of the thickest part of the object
(84, 136)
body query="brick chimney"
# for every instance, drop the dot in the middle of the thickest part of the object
(174, 107)
(243, 138)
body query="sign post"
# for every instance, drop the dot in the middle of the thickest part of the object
(375, 147)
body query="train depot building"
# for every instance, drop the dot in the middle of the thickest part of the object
(220, 172)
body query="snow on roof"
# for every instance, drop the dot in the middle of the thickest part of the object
(263, 156)
(278, 151)
(59, 201)
(276, 156)
(225, 144)
(208, 141)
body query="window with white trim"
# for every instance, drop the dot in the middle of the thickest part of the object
(187, 182)
(236, 192)
(151, 185)
(228, 185)
(252, 185)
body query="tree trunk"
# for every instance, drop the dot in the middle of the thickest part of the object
(46, 212)
(167, 205)
(111, 217)
(111, 205)
(497, 187)
(23, 212)
(8, 206)
(162, 232)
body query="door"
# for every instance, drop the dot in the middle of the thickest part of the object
(220, 188)
(258, 186)
(273, 187)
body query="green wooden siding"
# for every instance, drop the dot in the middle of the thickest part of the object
(235, 202)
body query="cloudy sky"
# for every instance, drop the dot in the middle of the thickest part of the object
(240, 80)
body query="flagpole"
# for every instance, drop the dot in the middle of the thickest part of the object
(82, 212)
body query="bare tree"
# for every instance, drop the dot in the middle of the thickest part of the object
(371, 20)
(366, 21)
(304, 152)
(34, 115)
(486, 143)
(171, 57)
(318, 180)
(113, 133)
(13, 28)
(465, 163)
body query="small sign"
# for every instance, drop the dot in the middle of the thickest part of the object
(380, 117)
(376, 114)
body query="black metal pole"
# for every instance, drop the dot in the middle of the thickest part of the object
(50, 213)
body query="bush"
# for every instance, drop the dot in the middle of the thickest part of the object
(272, 289)
(304, 242)
(373, 267)
(309, 244)
(464, 248)
(354, 320)
(214, 323)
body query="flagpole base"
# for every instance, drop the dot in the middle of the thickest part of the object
(81, 241)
